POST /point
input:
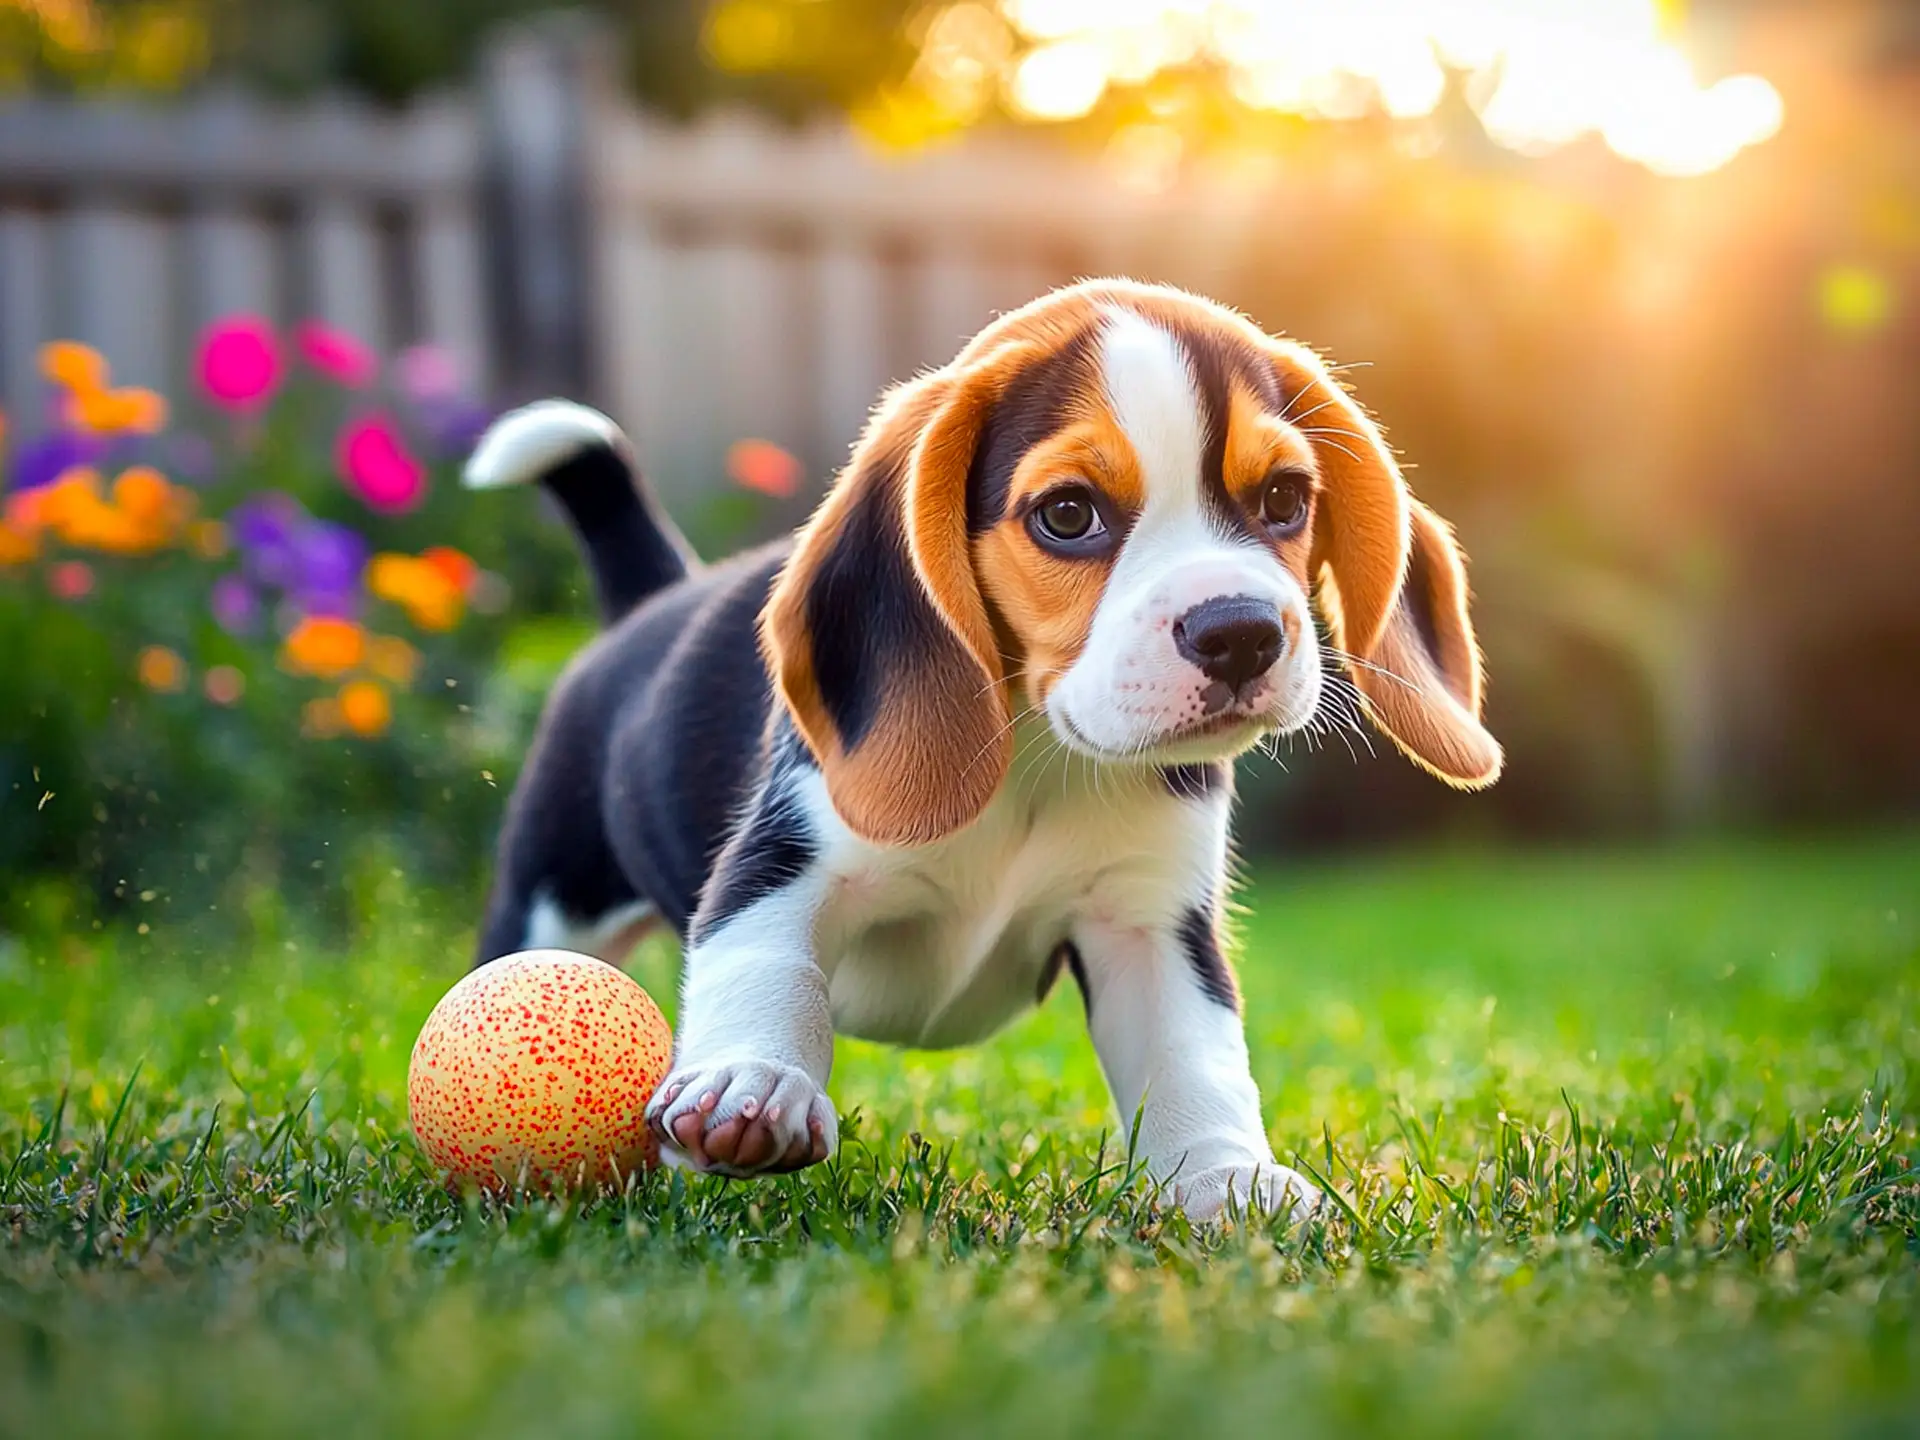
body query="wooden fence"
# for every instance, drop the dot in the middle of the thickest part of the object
(704, 283)
(131, 228)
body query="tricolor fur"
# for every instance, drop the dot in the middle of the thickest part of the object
(973, 728)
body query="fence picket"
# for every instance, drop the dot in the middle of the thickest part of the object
(951, 300)
(449, 270)
(233, 263)
(631, 351)
(849, 360)
(345, 277)
(118, 291)
(26, 311)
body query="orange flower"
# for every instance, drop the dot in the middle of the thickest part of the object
(17, 543)
(73, 509)
(81, 368)
(143, 493)
(455, 568)
(421, 586)
(117, 534)
(144, 513)
(83, 372)
(324, 646)
(161, 669)
(114, 412)
(762, 465)
(26, 509)
(76, 491)
(392, 658)
(365, 707)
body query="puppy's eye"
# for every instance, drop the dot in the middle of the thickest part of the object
(1283, 502)
(1068, 520)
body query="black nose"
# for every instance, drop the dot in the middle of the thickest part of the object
(1232, 638)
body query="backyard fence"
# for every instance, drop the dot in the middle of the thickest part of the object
(704, 282)
(131, 227)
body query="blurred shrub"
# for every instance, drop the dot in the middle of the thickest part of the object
(275, 654)
(252, 647)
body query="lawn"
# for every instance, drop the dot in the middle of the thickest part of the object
(1625, 1144)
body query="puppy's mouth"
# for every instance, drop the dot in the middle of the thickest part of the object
(1213, 737)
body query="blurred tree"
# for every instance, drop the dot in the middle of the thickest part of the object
(128, 44)
(385, 49)
(791, 58)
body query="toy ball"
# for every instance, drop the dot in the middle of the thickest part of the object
(536, 1069)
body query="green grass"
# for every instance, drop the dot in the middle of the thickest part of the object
(1625, 1145)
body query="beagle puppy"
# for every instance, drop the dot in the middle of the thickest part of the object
(973, 727)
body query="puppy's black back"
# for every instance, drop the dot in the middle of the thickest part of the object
(649, 740)
(643, 757)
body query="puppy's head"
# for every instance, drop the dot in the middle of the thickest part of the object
(1112, 509)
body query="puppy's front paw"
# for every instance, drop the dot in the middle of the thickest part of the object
(1266, 1189)
(746, 1117)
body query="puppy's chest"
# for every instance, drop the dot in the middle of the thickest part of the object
(943, 945)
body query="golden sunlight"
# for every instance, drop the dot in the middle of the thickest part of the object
(1544, 73)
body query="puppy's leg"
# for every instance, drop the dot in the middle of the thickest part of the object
(748, 1092)
(1165, 1018)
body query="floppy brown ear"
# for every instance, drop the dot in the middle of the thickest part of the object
(1393, 587)
(1423, 681)
(1360, 523)
(876, 633)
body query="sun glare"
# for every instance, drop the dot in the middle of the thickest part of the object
(1060, 81)
(1547, 72)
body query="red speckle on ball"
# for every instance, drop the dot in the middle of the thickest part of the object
(499, 1091)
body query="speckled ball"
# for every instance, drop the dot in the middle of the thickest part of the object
(539, 1066)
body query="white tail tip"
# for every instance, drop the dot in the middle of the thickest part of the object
(525, 444)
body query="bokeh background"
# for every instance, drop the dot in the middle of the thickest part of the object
(1630, 284)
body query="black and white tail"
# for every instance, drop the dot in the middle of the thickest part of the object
(586, 464)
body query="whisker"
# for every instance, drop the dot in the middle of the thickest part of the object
(1343, 708)
(1008, 679)
(1341, 732)
(1348, 657)
(1343, 450)
(1300, 395)
(1308, 415)
(994, 739)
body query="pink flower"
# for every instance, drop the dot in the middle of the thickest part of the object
(374, 462)
(428, 373)
(71, 580)
(239, 362)
(336, 354)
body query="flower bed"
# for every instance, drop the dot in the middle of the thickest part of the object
(268, 648)
(260, 640)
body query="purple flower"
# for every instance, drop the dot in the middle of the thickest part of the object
(455, 424)
(336, 604)
(266, 528)
(43, 461)
(235, 605)
(266, 521)
(330, 559)
(315, 563)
